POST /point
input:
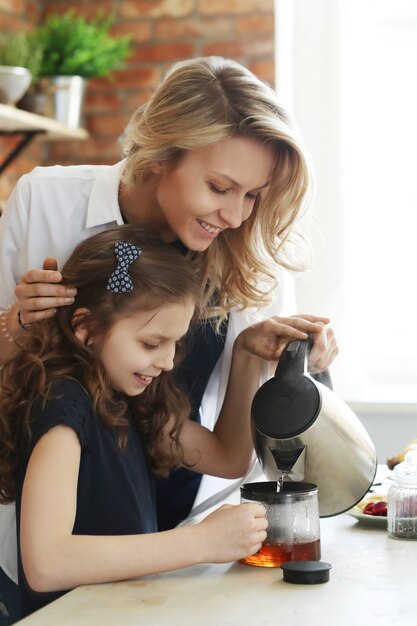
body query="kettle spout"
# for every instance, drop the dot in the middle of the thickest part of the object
(290, 463)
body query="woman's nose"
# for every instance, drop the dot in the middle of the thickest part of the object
(233, 214)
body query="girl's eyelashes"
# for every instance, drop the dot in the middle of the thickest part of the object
(150, 346)
(155, 346)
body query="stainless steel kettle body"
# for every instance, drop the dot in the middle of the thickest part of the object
(303, 431)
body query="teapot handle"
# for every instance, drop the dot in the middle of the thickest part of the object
(294, 358)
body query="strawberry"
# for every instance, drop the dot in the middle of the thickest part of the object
(369, 508)
(376, 508)
(380, 508)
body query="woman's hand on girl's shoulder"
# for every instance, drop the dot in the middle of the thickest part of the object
(233, 532)
(39, 294)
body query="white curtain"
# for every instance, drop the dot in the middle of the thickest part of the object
(348, 72)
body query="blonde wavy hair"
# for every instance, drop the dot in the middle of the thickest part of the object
(203, 101)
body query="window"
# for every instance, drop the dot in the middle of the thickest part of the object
(347, 70)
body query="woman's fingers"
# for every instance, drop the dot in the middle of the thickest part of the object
(41, 304)
(40, 276)
(50, 263)
(39, 294)
(28, 317)
(268, 339)
(302, 323)
(323, 351)
(38, 308)
(295, 327)
(33, 291)
(316, 319)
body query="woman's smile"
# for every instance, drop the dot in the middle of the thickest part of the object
(211, 230)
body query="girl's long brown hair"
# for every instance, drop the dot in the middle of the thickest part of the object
(50, 351)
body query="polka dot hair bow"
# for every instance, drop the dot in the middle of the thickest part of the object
(120, 281)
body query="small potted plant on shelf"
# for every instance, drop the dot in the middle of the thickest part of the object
(20, 59)
(74, 50)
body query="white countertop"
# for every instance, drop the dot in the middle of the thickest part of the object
(373, 582)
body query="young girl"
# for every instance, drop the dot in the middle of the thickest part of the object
(212, 162)
(90, 413)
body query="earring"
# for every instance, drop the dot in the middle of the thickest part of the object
(89, 341)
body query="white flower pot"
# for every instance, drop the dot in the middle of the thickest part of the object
(14, 82)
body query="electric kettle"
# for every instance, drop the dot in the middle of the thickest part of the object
(302, 431)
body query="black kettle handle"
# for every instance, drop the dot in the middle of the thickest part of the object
(294, 358)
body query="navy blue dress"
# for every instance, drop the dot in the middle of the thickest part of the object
(116, 491)
(175, 495)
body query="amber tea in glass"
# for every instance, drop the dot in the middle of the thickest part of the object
(293, 532)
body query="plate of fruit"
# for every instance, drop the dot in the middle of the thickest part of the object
(372, 511)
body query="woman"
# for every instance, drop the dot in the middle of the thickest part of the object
(212, 164)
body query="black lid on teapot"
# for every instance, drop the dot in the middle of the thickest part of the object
(289, 403)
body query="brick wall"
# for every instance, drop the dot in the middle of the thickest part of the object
(17, 15)
(163, 32)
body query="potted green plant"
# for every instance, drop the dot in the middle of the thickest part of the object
(74, 50)
(20, 59)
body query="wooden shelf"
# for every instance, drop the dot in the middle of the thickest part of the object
(14, 120)
(29, 125)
